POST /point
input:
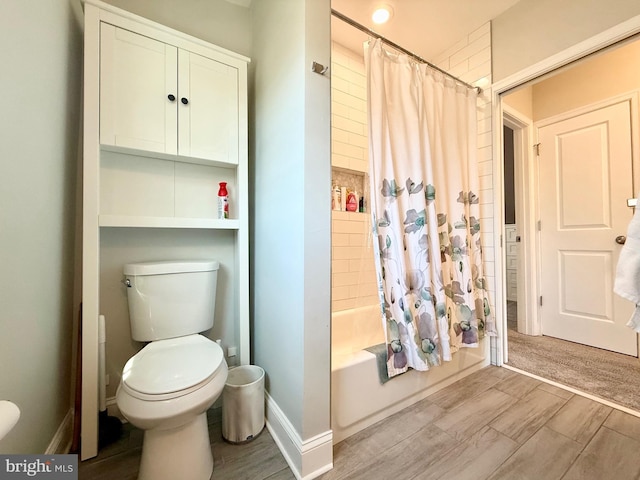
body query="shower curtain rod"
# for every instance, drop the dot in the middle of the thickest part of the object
(394, 45)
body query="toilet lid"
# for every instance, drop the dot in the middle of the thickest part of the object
(171, 365)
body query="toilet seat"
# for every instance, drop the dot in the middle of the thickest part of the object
(170, 368)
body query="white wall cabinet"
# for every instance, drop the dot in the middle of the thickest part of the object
(151, 167)
(156, 97)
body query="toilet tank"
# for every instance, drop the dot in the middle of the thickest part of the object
(170, 299)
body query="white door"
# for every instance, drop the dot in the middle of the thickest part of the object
(585, 178)
(208, 108)
(137, 77)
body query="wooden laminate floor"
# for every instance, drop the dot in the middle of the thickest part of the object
(494, 424)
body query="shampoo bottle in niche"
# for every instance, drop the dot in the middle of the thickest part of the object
(223, 201)
(352, 202)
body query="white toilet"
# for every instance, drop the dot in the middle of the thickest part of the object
(168, 386)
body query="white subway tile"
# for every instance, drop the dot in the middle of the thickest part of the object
(472, 48)
(346, 253)
(350, 101)
(485, 168)
(347, 150)
(484, 139)
(357, 140)
(357, 264)
(486, 196)
(339, 266)
(459, 69)
(340, 240)
(354, 291)
(486, 225)
(483, 56)
(484, 126)
(486, 211)
(340, 293)
(487, 240)
(476, 73)
(488, 254)
(480, 32)
(459, 45)
(340, 110)
(342, 226)
(485, 153)
(340, 71)
(340, 305)
(357, 239)
(349, 125)
(369, 300)
(486, 182)
(359, 165)
(341, 136)
(344, 279)
(339, 85)
(358, 91)
(358, 116)
(339, 161)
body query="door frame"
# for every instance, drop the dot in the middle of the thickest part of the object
(580, 50)
(526, 186)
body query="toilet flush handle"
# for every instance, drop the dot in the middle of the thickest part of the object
(126, 282)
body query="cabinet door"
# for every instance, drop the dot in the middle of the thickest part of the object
(208, 123)
(137, 75)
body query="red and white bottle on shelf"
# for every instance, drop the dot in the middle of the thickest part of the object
(223, 201)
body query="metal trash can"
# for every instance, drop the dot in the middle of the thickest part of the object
(243, 404)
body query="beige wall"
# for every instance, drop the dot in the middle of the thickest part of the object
(41, 71)
(602, 76)
(533, 30)
(521, 101)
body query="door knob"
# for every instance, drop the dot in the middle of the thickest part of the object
(184, 100)
(620, 239)
(171, 97)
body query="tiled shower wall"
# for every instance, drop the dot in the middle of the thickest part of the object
(353, 282)
(353, 273)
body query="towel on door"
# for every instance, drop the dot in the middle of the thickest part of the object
(627, 282)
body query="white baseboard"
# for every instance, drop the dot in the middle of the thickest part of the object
(61, 441)
(307, 459)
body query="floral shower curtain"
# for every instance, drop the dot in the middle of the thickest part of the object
(425, 211)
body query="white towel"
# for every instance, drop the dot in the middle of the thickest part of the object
(627, 282)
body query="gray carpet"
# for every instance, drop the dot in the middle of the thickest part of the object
(608, 375)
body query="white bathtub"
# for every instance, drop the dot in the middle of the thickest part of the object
(358, 400)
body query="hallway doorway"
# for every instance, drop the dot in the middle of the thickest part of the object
(530, 346)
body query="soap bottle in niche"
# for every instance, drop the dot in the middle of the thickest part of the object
(223, 201)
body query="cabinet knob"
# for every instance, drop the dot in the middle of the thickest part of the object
(184, 100)
(171, 97)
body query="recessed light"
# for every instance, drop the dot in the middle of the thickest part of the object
(382, 14)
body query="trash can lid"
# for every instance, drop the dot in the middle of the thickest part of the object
(171, 365)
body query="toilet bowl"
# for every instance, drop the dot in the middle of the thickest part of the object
(166, 390)
(168, 386)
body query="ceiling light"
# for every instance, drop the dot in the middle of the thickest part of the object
(382, 14)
